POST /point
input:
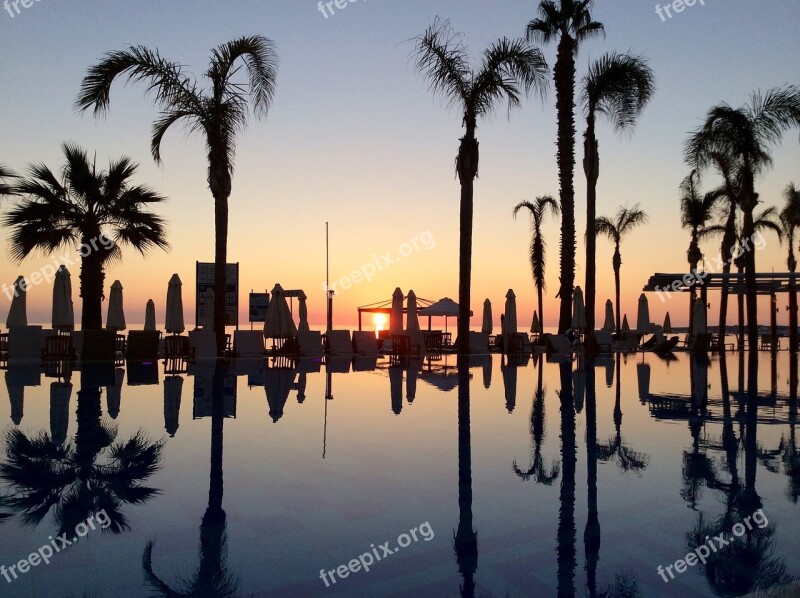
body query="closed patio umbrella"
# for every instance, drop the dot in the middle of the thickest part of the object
(643, 324)
(579, 387)
(608, 325)
(173, 389)
(396, 318)
(509, 372)
(625, 326)
(16, 396)
(18, 312)
(303, 313)
(536, 325)
(208, 309)
(150, 316)
(412, 321)
(114, 393)
(115, 319)
(578, 310)
(396, 389)
(60, 393)
(510, 321)
(488, 325)
(63, 311)
(277, 386)
(173, 323)
(667, 324)
(699, 317)
(279, 323)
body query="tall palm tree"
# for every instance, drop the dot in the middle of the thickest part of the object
(696, 213)
(219, 113)
(83, 207)
(790, 221)
(766, 220)
(538, 249)
(570, 22)
(625, 221)
(71, 479)
(617, 86)
(508, 67)
(745, 135)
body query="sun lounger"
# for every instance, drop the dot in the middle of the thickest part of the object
(558, 343)
(601, 341)
(337, 364)
(403, 349)
(248, 343)
(178, 347)
(310, 343)
(667, 345)
(25, 342)
(338, 342)
(143, 345)
(204, 343)
(478, 343)
(365, 343)
(98, 345)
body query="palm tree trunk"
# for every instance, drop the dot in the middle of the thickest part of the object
(740, 304)
(726, 251)
(750, 282)
(566, 515)
(564, 76)
(591, 533)
(617, 263)
(214, 514)
(792, 298)
(219, 180)
(92, 279)
(692, 296)
(467, 168)
(539, 295)
(591, 166)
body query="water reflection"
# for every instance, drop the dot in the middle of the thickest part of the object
(465, 539)
(74, 480)
(212, 576)
(565, 539)
(537, 469)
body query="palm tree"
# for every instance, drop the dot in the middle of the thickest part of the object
(570, 22)
(766, 220)
(790, 221)
(69, 478)
(538, 248)
(617, 86)
(745, 136)
(696, 213)
(219, 113)
(625, 221)
(507, 66)
(85, 207)
(6, 173)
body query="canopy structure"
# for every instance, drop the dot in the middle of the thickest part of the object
(446, 308)
(385, 308)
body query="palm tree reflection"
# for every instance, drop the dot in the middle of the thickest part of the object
(465, 539)
(615, 448)
(212, 576)
(537, 469)
(70, 479)
(566, 514)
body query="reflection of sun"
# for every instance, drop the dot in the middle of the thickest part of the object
(380, 321)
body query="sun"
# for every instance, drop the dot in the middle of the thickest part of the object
(380, 321)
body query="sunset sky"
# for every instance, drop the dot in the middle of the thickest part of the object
(356, 139)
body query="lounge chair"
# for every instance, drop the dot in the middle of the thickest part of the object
(98, 345)
(433, 342)
(4, 347)
(364, 364)
(769, 342)
(248, 343)
(601, 341)
(177, 347)
(666, 345)
(142, 345)
(26, 342)
(365, 343)
(558, 343)
(310, 343)
(403, 349)
(478, 343)
(204, 343)
(338, 342)
(337, 364)
(58, 347)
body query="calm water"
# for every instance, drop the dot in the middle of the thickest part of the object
(574, 478)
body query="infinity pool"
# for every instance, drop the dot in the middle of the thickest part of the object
(545, 478)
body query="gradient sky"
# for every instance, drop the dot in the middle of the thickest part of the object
(355, 138)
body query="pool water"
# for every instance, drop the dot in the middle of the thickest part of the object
(530, 478)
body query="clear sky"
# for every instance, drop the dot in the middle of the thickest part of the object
(355, 138)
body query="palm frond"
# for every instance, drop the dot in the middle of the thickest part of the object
(442, 59)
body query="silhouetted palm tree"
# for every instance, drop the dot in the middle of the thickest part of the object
(537, 469)
(744, 136)
(69, 479)
(565, 541)
(508, 67)
(790, 221)
(465, 538)
(617, 86)
(696, 214)
(570, 23)
(77, 209)
(218, 113)
(212, 577)
(5, 175)
(625, 221)
(538, 249)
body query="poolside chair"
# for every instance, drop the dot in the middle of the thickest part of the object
(98, 345)
(600, 341)
(338, 342)
(310, 343)
(558, 343)
(478, 343)
(403, 349)
(58, 348)
(248, 343)
(433, 342)
(142, 345)
(177, 347)
(204, 343)
(4, 347)
(363, 363)
(666, 346)
(365, 343)
(26, 342)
